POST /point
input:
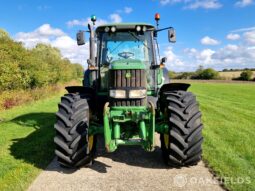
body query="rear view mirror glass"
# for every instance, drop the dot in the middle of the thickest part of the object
(80, 38)
(171, 35)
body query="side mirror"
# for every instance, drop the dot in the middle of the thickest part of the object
(89, 62)
(172, 35)
(161, 64)
(163, 60)
(80, 37)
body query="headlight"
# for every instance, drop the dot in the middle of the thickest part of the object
(137, 93)
(107, 29)
(113, 29)
(118, 93)
(138, 28)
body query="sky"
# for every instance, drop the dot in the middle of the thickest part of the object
(213, 33)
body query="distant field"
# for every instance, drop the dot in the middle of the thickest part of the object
(230, 75)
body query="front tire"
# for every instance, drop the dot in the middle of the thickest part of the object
(181, 145)
(74, 146)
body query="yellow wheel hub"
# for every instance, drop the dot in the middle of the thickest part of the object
(91, 141)
(166, 140)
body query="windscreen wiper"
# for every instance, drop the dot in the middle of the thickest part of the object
(118, 45)
(138, 39)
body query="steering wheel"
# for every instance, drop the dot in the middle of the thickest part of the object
(126, 55)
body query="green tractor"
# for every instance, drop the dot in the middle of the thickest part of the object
(125, 97)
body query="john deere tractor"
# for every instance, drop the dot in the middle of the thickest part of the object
(126, 97)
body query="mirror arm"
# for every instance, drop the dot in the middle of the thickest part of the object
(154, 67)
(163, 29)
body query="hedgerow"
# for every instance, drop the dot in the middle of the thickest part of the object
(43, 65)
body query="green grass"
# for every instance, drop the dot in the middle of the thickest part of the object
(229, 131)
(26, 136)
(26, 142)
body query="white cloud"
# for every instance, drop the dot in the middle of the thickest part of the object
(204, 4)
(241, 55)
(165, 2)
(43, 7)
(206, 55)
(43, 34)
(173, 61)
(47, 30)
(243, 29)
(115, 18)
(235, 56)
(203, 57)
(84, 22)
(128, 10)
(195, 4)
(233, 36)
(209, 41)
(76, 22)
(249, 37)
(190, 61)
(56, 38)
(244, 3)
(229, 56)
(70, 49)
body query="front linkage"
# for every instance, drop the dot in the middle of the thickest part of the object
(116, 117)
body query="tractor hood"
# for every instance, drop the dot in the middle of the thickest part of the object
(127, 64)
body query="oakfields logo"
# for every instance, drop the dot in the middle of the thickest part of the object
(182, 180)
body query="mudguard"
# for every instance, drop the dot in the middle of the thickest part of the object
(174, 86)
(80, 89)
(86, 93)
(168, 88)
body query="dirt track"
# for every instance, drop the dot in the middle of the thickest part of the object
(129, 168)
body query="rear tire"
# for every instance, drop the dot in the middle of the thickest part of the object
(181, 146)
(74, 146)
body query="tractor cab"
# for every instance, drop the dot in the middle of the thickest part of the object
(125, 46)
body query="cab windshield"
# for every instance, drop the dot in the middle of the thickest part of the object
(126, 45)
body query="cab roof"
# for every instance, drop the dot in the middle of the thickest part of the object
(124, 26)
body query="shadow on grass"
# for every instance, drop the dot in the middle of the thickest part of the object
(38, 147)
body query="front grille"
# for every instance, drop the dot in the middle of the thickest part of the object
(119, 80)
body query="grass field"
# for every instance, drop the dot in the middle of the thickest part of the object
(26, 141)
(229, 121)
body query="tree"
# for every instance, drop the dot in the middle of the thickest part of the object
(171, 74)
(206, 74)
(246, 75)
(200, 68)
(79, 70)
(4, 34)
